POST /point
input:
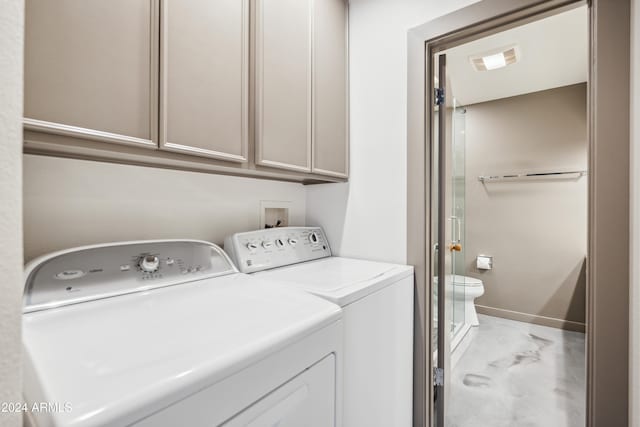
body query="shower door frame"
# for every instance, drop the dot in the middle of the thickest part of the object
(608, 225)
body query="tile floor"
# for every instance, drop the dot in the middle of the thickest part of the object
(516, 374)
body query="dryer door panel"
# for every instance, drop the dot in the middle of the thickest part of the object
(306, 400)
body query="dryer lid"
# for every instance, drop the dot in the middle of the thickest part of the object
(117, 359)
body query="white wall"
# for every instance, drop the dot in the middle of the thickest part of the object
(634, 310)
(11, 48)
(366, 218)
(75, 202)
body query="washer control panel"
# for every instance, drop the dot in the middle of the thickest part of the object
(95, 272)
(276, 247)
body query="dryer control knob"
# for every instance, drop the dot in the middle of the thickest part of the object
(313, 237)
(279, 243)
(252, 247)
(267, 244)
(292, 241)
(149, 263)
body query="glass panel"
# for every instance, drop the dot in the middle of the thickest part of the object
(434, 220)
(441, 237)
(448, 261)
(458, 268)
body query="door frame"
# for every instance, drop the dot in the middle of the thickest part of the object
(607, 311)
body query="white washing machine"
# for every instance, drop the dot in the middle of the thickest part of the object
(377, 302)
(168, 333)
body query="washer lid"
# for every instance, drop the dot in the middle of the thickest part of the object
(116, 360)
(338, 279)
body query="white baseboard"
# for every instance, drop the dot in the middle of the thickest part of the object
(568, 325)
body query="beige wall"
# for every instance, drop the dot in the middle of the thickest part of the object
(75, 202)
(535, 230)
(11, 47)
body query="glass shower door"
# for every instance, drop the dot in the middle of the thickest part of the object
(441, 238)
(457, 224)
(447, 232)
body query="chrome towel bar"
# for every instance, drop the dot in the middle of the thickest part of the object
(518, 176)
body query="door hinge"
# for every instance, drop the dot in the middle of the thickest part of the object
(438, 377)
(439, 96)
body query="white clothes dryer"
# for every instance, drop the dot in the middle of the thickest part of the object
(167, 333)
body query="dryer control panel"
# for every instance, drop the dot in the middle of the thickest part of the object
(95, 272)
(259, 250)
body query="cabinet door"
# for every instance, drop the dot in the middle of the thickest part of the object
(283, 84)
(204, 78)
(330, 105)
(91, 69)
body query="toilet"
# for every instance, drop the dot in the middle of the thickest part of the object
(466, 290)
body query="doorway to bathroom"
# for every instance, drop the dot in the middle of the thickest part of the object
(446, 230)
(512, 113)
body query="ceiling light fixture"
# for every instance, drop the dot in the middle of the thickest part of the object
(495, 59)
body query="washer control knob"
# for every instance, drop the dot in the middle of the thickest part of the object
(292, 241)
(279, 243)
(252, 247)
(313, 237)
(149, 263)
(267, 244)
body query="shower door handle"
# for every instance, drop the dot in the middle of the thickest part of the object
(456, 245)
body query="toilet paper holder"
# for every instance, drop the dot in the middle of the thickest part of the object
(484, 262)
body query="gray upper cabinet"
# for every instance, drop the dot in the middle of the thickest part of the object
(204, 78)
(301, 85)
(91, 69)
(283, 84)
(330, 98)
(243, 87)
